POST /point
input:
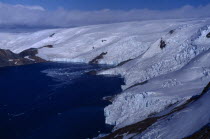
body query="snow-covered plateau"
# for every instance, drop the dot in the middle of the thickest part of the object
(164, 63)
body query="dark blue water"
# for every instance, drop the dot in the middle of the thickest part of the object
(53, 101)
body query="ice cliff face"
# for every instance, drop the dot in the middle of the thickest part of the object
(142, 101)
(162, 79)
(183, 123)
(190, 118)
(164, 64)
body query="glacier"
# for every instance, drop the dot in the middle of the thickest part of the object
(157, 78)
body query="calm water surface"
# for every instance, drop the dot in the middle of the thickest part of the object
(53, 101)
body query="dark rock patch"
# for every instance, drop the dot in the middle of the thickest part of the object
(95, 72)
(31, 55)
(8, 58)
(32, 52)
(37, 59)
(171, 32)
(92, 72)
(123, 62)
(4, 54)
(208, 35)
(99, 57)
(162, 44)
(142, 83)
(52, 35)
(29, 52)
(135, 128)
(46, 46)
(204, 133)
(22, 61)
(103, 40)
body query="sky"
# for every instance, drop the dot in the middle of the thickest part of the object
(110, 4)
(70, 13)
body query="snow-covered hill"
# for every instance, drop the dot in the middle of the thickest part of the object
(121, 41)
(164, 64)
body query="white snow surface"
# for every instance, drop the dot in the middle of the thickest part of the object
(183, 45)
(123, 41)
(181, 124)
(138, 103)
(172, 75)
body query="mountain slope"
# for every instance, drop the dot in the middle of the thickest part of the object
(121, 41)
(165, 63)
(181, 122)
(140, 102)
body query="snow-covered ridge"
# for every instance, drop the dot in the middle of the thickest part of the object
(121, 41)
(181, 46)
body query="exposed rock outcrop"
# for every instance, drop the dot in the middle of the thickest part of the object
(204, 133)
(142, 83)
(208, 35)
(96, 59)
(162, 44)
(29, 52)
(52, 35)
(123, 62)
(171, 31)
(8, 58)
